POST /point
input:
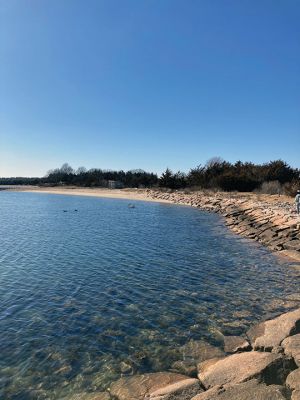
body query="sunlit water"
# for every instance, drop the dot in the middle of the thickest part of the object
(88, 295)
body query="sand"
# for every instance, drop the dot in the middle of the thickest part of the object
(128, 194)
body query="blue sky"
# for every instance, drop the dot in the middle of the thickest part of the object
(126, 84)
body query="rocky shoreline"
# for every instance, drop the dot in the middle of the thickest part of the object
(263, 365)
(275, 223)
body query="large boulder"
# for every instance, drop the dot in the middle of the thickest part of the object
(267, 367)
(252, 390)
(155, 386)
(269, 334)
(291, 346)
(293, 380)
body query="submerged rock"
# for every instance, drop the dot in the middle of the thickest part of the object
(185, 367)
(155, 386)
(199, 350)
(91, 396)
(251, 390)
(235, 344)
(238, 368)
(271, 333)
(125, 368)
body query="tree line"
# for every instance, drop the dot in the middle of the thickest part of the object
(273, 177)
(217, 174)
(66, 175)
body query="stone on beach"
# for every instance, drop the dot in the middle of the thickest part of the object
(267, 367)
(156, 386)
(270, 334)
(293, 380)
(291, 346)
(251, 390)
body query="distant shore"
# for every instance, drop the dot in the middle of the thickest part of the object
(268, 219)
(126, 194)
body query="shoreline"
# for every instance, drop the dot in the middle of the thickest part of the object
(123, 194)
(267, 219)
(264, 362)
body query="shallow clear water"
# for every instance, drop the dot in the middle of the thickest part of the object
(83, 293)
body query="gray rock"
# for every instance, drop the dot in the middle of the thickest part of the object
(291, 347)
(292, 245)
(293, 380)
(267, 235)
(155, 386)
(271, 333)
(234, 344)
(237, 368)
(251, 390)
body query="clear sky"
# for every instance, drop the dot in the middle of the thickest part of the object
(125, 84)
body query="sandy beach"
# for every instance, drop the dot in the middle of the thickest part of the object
(126, 194)
(153, 195)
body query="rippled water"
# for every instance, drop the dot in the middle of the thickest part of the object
(90, 294)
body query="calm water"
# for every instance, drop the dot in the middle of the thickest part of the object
(87, 295)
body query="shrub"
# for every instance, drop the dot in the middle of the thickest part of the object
(290, 188)
(271, 187)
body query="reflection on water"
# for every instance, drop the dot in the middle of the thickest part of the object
(88, 296)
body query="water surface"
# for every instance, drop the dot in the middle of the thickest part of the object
(88, 295)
